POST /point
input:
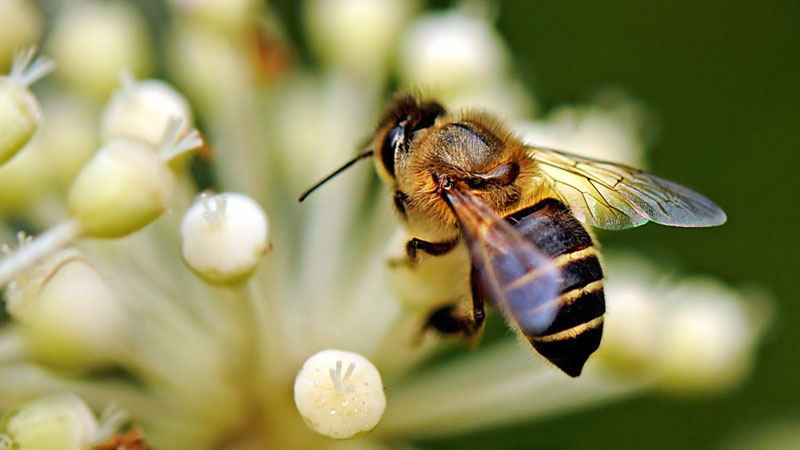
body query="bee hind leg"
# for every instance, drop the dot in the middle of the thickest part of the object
(451, 320)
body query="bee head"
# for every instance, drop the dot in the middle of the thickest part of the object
(405, 116)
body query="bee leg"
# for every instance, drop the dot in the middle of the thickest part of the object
(451, 320)
(414, 246)
(478, 308)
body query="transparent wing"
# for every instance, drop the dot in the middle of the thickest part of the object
(609, 195)
(520, 279)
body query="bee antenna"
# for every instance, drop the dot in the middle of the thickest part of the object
(364, 154)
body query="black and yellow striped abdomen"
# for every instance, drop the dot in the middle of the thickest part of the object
(578, 326)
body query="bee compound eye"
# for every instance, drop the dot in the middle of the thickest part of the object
(396, 137)
(393, 141)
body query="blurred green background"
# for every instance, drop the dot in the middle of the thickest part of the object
(722, 81)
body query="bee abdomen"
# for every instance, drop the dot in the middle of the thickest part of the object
(576, 331)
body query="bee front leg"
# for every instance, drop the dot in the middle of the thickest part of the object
(414, 246)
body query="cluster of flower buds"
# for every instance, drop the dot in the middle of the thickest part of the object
(693, 334)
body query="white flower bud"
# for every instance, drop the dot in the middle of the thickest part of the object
(68, 314)
(143, 109)
(20, 113)
(339, 394)
(127, 184)
(612, 128)
(58, 422)
(443, 53)
(93, 41)
(21, 25)
(709, 338)
(356, 35)
(207, 65)
(224, 236)
(228, 15)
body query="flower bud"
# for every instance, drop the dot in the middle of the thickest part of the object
(339, 394)
(68, 314)
(127, 184)
(612, 128)
(93, 41)
(709, 341)
(58, 422)
(356, 35)
(122, 188)
(207, 66)
(20, 113)
(224, 236)
(143, 109)
(444, 53)
(21, 24)
(227, 15)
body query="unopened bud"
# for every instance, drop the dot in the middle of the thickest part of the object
(127, 184)
(339, 394)
(93, 41)
(357, 35)
(227, 15)
(62, 422)
(21, 24)
(69, 315)
(143, 109)
(224, 236)
(20, 112)
(451, 52)
(709, 338)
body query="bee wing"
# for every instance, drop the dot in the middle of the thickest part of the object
(609, 195)
(520, 279)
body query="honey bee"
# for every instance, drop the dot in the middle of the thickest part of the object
(521, 211)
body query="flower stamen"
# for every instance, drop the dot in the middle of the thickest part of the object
(27, 70)
(171, 146)
(338, 381)
(214, 206)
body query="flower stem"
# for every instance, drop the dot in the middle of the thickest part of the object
(29, 254)
(503, 379)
